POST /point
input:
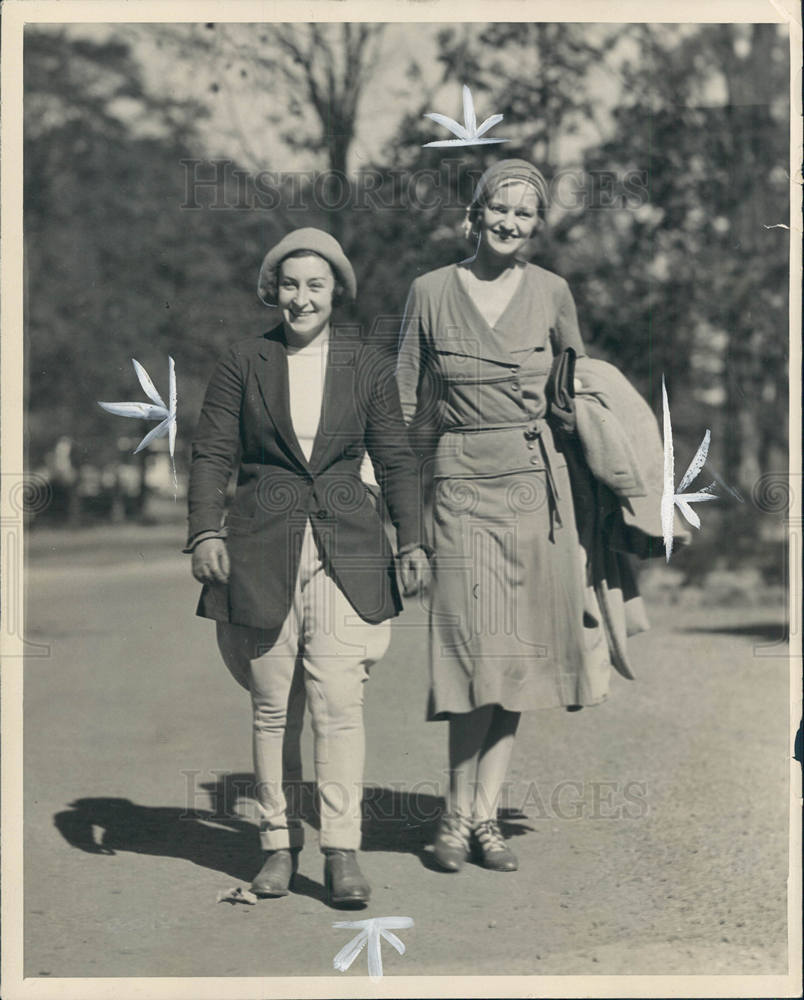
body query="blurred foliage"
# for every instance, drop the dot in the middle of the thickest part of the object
(662, 227)
(115, 268)
(693, 284)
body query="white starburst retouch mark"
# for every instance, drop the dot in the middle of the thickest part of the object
(672, 498)
(155, 410)
(470, 133)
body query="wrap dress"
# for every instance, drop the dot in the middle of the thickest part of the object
(507, 598)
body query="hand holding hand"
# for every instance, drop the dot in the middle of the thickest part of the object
(414, 568)
(211, 561)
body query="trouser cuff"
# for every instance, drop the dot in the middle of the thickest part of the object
(274, 840)
(340, 842)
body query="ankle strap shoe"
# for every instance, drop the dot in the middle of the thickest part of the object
(491, 848)
(452, 842)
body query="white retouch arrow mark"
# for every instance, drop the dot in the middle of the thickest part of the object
(371, 932)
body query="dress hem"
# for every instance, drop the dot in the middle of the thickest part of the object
(444, 714)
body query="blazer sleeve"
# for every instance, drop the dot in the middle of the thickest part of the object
(387, 442)
(567, 332)
(215, 446)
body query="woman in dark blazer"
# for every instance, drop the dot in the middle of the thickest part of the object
(302, 578)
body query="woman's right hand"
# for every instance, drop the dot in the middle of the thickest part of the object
(211, 561)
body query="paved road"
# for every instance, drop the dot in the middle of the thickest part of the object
(651, 830)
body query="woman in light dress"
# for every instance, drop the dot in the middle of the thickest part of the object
(507, 600)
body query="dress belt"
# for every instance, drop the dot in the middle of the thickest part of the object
(533, 429)
(534, 422)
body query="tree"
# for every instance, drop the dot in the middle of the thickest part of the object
(116, 267)
(312, 78)
(534, 74)
(699, 276)
(670, 249)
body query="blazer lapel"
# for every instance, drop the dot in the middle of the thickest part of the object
(272, 377)
(339, 398)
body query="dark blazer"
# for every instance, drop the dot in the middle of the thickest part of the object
(247, 409)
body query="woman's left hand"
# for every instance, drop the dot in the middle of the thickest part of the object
(414, 568)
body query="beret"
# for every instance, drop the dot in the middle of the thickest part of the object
(307, 238)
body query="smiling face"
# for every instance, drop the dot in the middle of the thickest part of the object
(306, 286)
(509, 218)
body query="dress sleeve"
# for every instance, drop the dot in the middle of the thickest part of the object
(409, 358)
(388, 445)
(421, 393)
(421, 388)
(567, 333)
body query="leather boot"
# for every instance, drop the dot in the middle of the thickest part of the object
(273, 879)
(345, 883)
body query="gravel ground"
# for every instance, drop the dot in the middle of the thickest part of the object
(651, 830)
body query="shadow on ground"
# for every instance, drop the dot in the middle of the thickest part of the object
(771, 632)
(222, 840)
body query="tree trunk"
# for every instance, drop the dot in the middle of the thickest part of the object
(748, 96)
(337, 189)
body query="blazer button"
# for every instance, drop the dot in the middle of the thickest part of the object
(515, 386)
(534, 460)
(321, 514)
